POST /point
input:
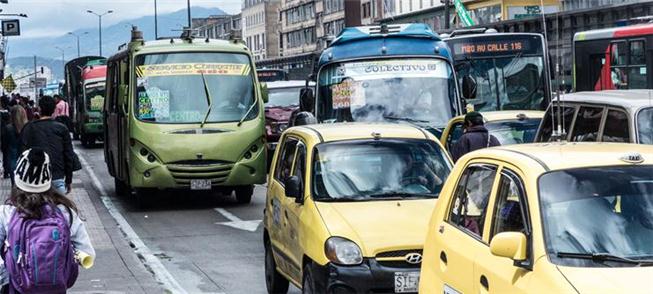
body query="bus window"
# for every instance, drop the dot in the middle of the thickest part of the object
(618, 51)
(637, 65)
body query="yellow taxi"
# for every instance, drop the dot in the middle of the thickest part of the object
(347, 207)
(509, 127)
(544, 218)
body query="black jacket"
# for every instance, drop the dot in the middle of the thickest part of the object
(53, 137)
(474, 138)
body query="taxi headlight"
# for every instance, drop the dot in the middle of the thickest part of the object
(342, 251)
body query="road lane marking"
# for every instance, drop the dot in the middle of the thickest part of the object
(159, 271)
(236, 222)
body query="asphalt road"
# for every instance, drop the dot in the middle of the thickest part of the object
(205, 241)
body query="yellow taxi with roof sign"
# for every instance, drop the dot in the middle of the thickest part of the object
(544, 218)
(509, 127)
(347, 207)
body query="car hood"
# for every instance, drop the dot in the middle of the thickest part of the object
(378, 226)
(279, 113)
(608, 279)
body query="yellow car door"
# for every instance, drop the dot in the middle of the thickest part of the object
(292, 212)
(460, 234)
(508, 214)
(276, 200)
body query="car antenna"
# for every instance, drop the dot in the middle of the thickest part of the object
(556, 131)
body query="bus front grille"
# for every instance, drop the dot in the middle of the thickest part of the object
(185, 171)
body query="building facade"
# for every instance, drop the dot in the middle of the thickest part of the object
(261, 27)
(220, 27)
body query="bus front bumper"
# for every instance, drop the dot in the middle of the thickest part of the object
(147, 174)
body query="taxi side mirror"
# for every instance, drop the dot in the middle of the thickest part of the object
(512, 245)
(306, 99)
(265, 94)
(293, 187)
(469, 87)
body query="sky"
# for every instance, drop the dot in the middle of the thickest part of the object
(57, 17)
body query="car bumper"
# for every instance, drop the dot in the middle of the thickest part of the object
(368, 277)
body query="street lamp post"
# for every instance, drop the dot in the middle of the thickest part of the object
(190, 23)
(100, 15)
(63, 57)
(156, 23)
(77, 36)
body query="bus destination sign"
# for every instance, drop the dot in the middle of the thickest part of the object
(482, 47)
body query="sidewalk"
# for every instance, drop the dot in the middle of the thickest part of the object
(117, 269)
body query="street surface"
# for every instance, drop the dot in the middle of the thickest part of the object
(184, 242)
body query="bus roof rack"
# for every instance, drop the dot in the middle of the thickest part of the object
(472, 32)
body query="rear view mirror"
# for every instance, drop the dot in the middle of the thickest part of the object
(293, 187)
(509, 244)
(306, 99)
(264, 92)
(469, 87)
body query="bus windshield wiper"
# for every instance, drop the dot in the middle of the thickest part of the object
(405, 119)
(247, 113)
(209, 100)
(602, 256)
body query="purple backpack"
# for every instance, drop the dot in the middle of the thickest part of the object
(39, 256)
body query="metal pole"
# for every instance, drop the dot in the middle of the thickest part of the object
(78, 51)
(100, 28)
(446, 14)
(190, 24)
(156, 23)
(35, 90)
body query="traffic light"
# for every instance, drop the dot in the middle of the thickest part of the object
(41, 66)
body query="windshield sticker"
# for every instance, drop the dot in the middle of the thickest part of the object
(394, 68)
(154, 103)
(341, 93)
(97, 103)
(181, 69)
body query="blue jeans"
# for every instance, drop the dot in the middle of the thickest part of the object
(59, 185)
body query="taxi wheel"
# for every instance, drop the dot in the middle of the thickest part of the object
(308, 285)
(274, 281)
(244, 194)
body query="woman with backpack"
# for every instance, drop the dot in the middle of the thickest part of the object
(11, 137)
(43, 235)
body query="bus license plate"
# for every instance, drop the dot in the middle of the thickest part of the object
(406, 282)
(200, 184)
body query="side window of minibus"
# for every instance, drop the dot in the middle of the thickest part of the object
(285, 159)
(124, 70)
(114, 71)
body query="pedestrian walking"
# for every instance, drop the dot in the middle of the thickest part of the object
(476, 136)
(39, 224)
(10, 136)
(62, 112)
(52, 137)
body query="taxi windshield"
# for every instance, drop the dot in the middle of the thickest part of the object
(600, 211)
(94, 96)
(378, 170)
(415, 90)
(510, 132)
(172, 87)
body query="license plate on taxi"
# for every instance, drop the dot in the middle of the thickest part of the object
(200, 184)
(406, 282)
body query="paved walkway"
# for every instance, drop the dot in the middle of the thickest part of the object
(117, 268)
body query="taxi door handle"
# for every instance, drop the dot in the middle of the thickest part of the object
(485, 283)
(285, 213)
(443, 257)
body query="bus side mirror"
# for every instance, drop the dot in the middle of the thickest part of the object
(306, 99)
(469, 87)
(265, 94)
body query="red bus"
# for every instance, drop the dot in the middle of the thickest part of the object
(614, 58)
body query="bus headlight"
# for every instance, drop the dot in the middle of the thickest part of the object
(343, 251)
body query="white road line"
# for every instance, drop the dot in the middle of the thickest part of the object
(159, 271)
(236, 222)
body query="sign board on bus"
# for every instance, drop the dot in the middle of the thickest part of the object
(491, 47)
(497, 44)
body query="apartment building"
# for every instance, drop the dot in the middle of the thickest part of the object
(220, 27)
(261, 27)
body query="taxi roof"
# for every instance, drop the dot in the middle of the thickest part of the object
(629, 99)
(506, 115)
(353, 131)
(566, 155)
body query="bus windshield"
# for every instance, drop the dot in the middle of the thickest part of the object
(94, 94)
(510, 73)
(171, 88)
(414, 90)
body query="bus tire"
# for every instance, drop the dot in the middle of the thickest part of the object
(122, 189)
(244, 194)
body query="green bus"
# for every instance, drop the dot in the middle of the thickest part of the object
(184, 114)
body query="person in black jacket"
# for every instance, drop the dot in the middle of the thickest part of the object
(53, 137)
(476, 136)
